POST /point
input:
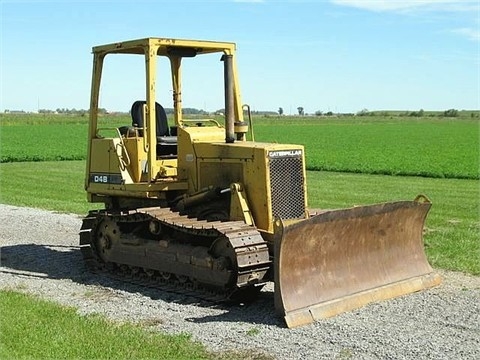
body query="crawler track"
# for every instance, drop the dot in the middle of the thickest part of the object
(159, 248)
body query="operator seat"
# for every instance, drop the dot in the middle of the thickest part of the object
(166, 144)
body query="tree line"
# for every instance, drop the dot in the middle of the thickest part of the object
(366, 112)
(301, 112)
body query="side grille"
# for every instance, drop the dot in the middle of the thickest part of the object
(287, 185)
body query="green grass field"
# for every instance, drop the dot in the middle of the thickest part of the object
(43, 142)
(426, 147)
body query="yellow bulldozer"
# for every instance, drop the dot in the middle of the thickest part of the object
(197, 205)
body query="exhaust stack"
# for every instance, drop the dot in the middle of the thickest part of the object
(229, 99)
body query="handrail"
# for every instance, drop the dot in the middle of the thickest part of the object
(202, 121)
(249, 114)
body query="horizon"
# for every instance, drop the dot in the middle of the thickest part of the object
(389, 112)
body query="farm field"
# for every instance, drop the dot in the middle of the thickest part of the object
(43, 142)
(429, 147)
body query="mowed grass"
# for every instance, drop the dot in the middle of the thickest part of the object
(52, 185)
(429, 147)
(36, 329)
(452, 227)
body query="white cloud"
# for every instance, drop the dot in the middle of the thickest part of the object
(407, 5)
(470, 33)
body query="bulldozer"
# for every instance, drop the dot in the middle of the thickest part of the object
(197, 204)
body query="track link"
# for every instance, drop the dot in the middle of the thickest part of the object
(159, 248)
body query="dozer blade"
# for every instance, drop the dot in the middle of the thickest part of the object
(340, 260)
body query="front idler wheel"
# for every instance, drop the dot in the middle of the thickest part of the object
(107, 235)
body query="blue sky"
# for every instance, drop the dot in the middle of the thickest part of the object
(338, 55)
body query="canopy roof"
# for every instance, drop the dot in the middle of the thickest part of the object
(166, 47)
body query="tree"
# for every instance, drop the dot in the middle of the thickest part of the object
(450, 113)
(300, 111)
(419, 113)
(319, 113)
(280, 111)
(363, 112)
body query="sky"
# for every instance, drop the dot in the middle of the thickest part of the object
(330, 55)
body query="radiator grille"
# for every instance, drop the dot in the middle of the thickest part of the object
(287, 187)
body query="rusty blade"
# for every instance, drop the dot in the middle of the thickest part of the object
(343, 259)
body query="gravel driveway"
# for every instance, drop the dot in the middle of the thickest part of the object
(39, 255)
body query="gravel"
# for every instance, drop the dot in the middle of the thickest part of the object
(40, 256)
